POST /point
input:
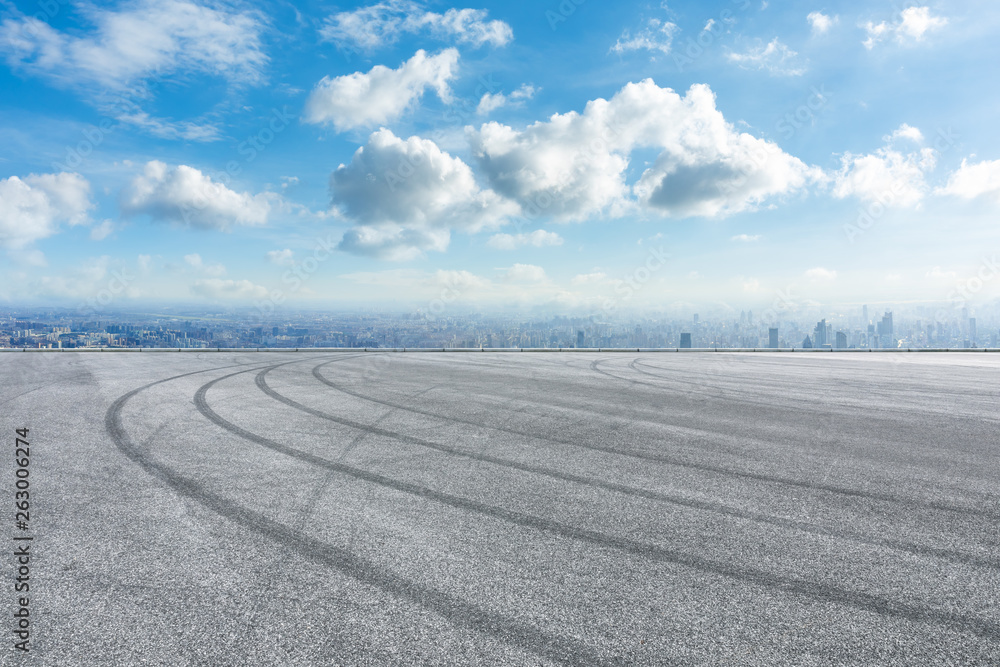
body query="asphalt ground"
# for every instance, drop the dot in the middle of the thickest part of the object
(506, 508)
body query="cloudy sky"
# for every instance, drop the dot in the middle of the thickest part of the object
(540, 153)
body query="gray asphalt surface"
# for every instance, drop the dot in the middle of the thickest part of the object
(518, 508)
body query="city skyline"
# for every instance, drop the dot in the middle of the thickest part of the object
(68, 329)
(569, 157)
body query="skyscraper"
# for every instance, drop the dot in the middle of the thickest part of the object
(841, 340)
(972, 330)
(686, 340)
(579, 339)
(885, 336)
(819, 334)
(772, 338)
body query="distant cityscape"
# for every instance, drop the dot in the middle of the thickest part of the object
(863, 329)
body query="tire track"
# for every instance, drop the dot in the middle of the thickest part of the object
(716, 508)
(726, 394)
(946, 404)
(459, 612)
(677, 461)
(824, 593)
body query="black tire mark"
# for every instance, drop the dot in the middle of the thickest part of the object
(728, 395)
(717, 508)
(824, 593)
(676, 461)
(460, 613)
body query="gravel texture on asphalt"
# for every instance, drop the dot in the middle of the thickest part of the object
(353, 508)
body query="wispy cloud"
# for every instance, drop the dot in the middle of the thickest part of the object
(913, 24)
(774, 58)
(383, 23)
(656, 35)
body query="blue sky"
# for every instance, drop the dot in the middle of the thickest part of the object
(579, 156)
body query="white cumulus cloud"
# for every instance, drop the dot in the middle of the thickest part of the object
(821, 22)
(407, 195)
(185, 195)
(970, 181)
(573, 165)
(33, 207)
(381, 94)
(746, 238)
(913, 24)
(905, 131)
(888, 176)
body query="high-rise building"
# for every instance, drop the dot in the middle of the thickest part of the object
(686, 339)
(819, 334)
(772, 338)
(696, 318)
(884, 330)
(972, 330)
(864, 314)
(806, 343)
(841, 340)
(579, 339)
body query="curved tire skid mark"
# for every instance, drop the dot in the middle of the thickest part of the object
(458, 612)
(717, 508)
(675, 461)
(844, 410)
(824, 593)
